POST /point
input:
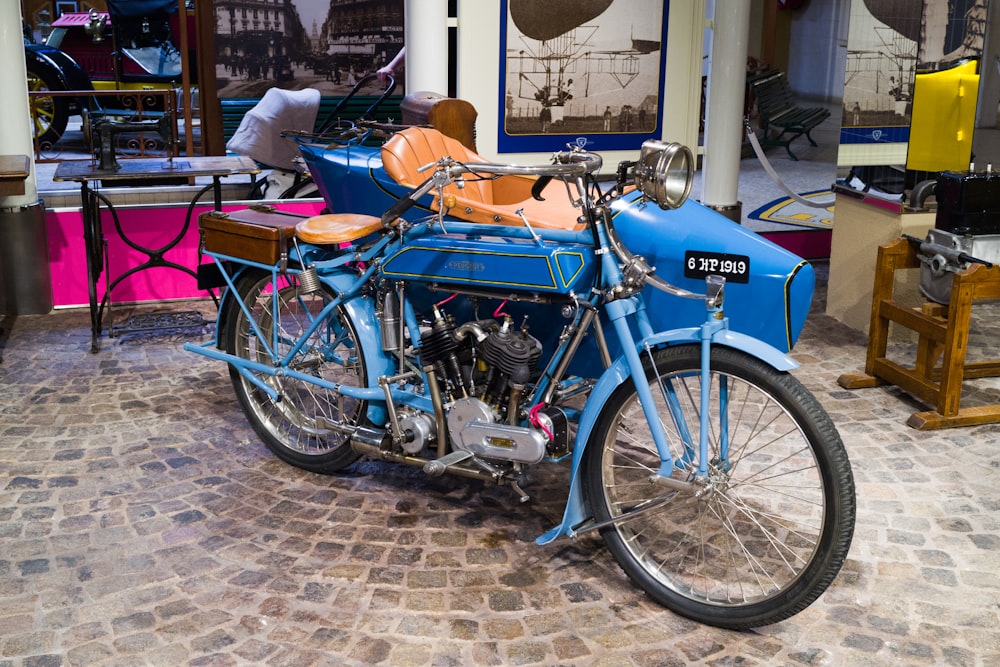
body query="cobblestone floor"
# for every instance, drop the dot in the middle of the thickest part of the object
(142, 523)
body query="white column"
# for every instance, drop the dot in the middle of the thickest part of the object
(15, 128)
(426, 37)
(724, 112)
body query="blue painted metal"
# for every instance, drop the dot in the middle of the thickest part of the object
(764, 316)
(576, 511)
(494, 262)
(772, 306)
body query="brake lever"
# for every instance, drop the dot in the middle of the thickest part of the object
(436, 163)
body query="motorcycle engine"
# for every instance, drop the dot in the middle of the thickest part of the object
(482, 369)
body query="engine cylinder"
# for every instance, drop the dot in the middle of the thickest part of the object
(513, 353)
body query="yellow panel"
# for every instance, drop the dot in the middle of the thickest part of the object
(944, 115)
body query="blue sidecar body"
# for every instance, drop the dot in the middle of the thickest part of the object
(769, 300)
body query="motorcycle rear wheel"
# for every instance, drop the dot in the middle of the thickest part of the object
(307, 426)
(774, 523)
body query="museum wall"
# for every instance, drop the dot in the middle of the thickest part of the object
(480, 50)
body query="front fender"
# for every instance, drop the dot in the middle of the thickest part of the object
(61, 64)
(577, 511)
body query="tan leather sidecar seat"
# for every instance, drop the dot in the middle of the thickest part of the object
(488, 201)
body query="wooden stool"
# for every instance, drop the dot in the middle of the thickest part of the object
(943, 333)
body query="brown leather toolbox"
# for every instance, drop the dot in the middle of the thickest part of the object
(258, 234)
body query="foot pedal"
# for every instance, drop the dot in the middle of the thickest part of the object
(438, 467)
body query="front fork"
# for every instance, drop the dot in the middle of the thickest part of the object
(715, 322)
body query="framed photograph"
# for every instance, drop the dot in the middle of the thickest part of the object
(888, 43)
(66, 8)
(328, 45)
(581, 72)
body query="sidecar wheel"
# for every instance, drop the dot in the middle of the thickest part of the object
(301, 428)
(773, 524)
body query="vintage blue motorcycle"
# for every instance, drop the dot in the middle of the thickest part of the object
(500, 316)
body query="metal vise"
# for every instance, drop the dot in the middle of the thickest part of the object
(107, 129)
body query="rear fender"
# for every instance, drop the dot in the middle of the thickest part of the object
(361, 312)
(577, 510)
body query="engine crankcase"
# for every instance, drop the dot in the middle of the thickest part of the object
(473, 427)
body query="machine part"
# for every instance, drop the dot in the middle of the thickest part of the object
(365, 435)
(942, 254)
(309, 281)
(389, 321)
(472, 427)
(106, 131)
(555, 424)
(438, 349)
(513, 353)
(440, 466)
(417, 430)
(467, 410)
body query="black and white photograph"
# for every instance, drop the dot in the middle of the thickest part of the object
(891, 41)
(586, 71)
(327, 45)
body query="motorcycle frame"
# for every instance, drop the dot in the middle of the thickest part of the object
(624, 312)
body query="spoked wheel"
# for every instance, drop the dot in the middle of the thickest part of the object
(770, 527)
(306, 425)
(50, 114)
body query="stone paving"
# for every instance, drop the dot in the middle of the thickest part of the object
(142, 523)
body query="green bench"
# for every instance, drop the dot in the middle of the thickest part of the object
(234, 108)
(779, 112)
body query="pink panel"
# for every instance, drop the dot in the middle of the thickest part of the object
(150, 227)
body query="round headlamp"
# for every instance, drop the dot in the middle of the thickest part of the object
(664, 172)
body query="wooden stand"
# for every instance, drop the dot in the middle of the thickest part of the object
(943, 333)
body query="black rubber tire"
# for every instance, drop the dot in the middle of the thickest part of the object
(50, 115)
(299, 427)
(770, 530)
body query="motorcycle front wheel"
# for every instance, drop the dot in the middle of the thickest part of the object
(307, 425)
(768, 529)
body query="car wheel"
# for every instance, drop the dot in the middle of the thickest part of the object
(49, 113)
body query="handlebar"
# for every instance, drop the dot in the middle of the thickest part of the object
(566, 164)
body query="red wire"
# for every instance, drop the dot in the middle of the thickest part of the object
(535, 421)
(444, 301)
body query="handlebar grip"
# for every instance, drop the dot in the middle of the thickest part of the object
(539, 186)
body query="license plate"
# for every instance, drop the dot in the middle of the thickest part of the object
(734, 268)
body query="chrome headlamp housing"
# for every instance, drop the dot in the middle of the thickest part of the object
(664, 172)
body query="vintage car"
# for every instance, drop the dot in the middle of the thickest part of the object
(131, 47)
